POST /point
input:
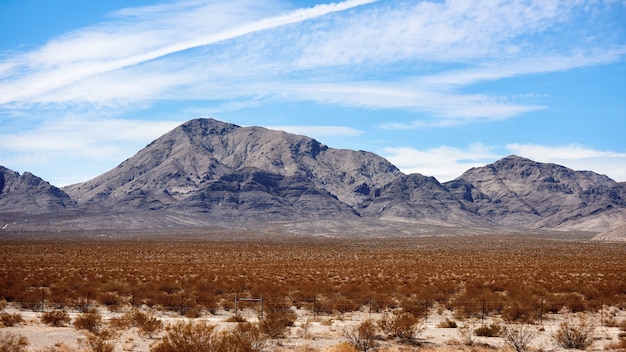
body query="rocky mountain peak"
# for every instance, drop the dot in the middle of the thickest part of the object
(28, 192)
(206, 170)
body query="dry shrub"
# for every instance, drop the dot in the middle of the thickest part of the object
(91, 322)
(236, 319)
(58, 347)
(189, 337)
(8, 320)
(56, 318)
(447, 324)
(245, 337)
(467, 335)
(342, 347)
(147, 323)
(491, 330)
(201, 336)
(12, 343)
(402, 325)
(192, 313)
(362, 337)
(577, 335)
(101, 341)
(519, 337)
(275, 323)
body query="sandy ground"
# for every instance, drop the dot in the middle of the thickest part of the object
(310, 333)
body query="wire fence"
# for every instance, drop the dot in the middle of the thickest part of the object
(534, 311)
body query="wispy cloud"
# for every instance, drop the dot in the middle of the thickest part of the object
(74, 149)
(99, 50)
(320, 132)
(577, 157)
(446, 163)
(249, 50)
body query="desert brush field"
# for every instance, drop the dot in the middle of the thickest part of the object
(198, 292)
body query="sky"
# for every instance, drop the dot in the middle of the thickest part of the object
(436, 87)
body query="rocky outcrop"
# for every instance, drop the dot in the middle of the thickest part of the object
(516, 191)
(206, 172)
(614, 234)
(29, 193)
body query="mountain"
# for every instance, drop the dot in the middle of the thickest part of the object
(614, 234)
(206, 172)
(29, 193)
(220, 169)
(516, 191)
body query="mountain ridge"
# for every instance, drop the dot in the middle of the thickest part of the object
(207, 171)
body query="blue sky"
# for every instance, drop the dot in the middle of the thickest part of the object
(436, 87)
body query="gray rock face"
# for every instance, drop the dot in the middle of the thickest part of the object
(219, 169)
(206, 172)
(519, 192)
(29, 193)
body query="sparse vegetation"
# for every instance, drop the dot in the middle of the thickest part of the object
(576, 334)
(491, 330)
(56, 318)
(12, 343)
(409, 279)
(519, 337)
(8, 320)
(362, 337)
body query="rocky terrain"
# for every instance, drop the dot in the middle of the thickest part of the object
(29, 193)
(209, 173)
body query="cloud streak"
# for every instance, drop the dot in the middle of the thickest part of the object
(66, 61)
(244, 50)
(447, 163)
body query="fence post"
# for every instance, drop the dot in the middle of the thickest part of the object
(482, 318)
(370, 312)
(601, 313)
(261, 306)
(541, 313)
(236, 301)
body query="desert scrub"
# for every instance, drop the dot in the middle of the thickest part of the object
(12, 343)
(362, 337)
(519, 337)
(401, 325)
(447, 324)
(574, 334)
(91, 322)
(8, 320)
(275, 322)
(491, 330)
(56, 318)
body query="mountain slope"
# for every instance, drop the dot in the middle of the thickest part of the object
(217, 168)
(29, 193)
(516, 191)
(206, 172)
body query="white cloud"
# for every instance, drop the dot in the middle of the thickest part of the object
(576, 157)
(319, 132)
(73, 150)
(445, 163)
(250, 50)
(81, 55)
